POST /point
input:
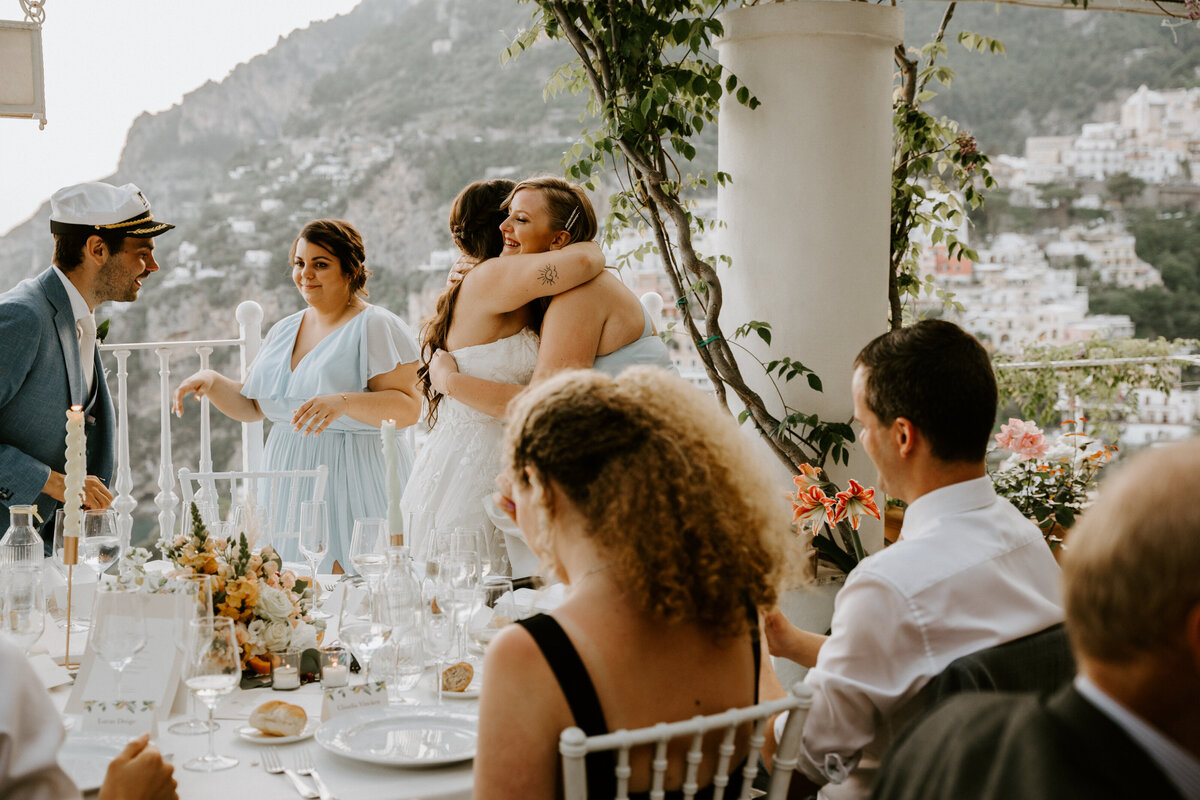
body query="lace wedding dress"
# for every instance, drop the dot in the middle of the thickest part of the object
(455, 472)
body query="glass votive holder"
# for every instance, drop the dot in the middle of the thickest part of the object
(335, 667)
(285, 670)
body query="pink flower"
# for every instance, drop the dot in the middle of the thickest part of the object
(808, 478)
(854, 503)
(1023, 439)
(811, 507)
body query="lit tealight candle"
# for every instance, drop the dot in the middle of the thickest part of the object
(285, 677)
(334, 676)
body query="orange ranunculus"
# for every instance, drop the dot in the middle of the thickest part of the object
(854, 503)
(811, 507)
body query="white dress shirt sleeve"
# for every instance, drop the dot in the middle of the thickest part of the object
(876, 658)
(30, 735)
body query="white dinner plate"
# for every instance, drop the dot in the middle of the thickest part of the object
(85, 757)
(402, 736)
(470, 693)
(252, 734)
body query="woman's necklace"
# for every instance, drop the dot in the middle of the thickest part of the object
(589, 573)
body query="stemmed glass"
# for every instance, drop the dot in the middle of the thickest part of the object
(22, 604)
(365, 624)
(314, 543)
(193, 596)
(79, 616)
(458, 574)
(438, 630)
(251, 520)
(213, 670)
(99, 544)
(118, 629)
(494, 597)
(368, 544)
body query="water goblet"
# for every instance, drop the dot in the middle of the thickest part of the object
(251, 520)
(99, 543)
(496, 608)
(118, 629)
(314, 543)
(193, 595)
(213, 670)
(22, 604)
(365, 623)
(368, 545)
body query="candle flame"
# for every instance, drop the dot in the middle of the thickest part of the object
(77, 409)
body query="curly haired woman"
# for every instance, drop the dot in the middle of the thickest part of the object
(646, 500)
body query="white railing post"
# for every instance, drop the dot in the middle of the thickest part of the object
(166, 498)
(202, 496)
(123, 503)
(249, 318)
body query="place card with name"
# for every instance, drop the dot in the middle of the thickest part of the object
(351, 698)
(125, 717)
(153, 675)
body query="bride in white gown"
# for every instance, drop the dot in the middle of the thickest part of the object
(488, 321)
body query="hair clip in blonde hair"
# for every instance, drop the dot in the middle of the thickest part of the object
(571, 219)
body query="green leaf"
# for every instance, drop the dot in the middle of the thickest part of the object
(814, 381)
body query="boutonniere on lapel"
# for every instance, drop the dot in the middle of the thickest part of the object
(102, 330)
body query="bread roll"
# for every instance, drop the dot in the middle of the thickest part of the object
(277, 718)
(457, 677)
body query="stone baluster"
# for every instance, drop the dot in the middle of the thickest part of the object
(123, 503)
(250, 317)
(166, 499)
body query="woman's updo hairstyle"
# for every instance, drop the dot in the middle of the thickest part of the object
(670, 489)
(344, 241)
(568, 205)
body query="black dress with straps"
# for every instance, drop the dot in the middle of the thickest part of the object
(576, 685)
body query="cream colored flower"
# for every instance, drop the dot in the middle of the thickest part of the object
(277, 636)
(274, 604)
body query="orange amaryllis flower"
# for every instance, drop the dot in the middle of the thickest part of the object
(854, 503)
(811, 507)
(807, 479)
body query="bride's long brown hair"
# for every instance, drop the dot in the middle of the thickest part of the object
(475, 218)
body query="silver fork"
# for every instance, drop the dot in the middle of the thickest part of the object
(272, 764)
(304, 765)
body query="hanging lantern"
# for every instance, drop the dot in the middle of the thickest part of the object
(22, 83)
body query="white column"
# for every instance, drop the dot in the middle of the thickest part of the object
(807, 214)
(249, 317)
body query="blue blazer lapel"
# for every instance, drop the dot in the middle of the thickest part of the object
(64, 323)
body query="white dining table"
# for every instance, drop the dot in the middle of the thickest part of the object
(346, 778)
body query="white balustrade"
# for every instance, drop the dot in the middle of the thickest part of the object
(249, 317)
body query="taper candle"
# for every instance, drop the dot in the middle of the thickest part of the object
(391, 461)
(76, 472)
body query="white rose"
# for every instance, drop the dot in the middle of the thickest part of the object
(254, 632)
(277, 636)
(275, 605)
(304, 637)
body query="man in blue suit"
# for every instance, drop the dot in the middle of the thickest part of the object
(103, 250)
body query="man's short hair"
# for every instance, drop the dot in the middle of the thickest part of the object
(939, 378)
(1131, 575)
(68, 247)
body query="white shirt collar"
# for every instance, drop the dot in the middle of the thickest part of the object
(1180, 766)
(79, 306)
(957, 498)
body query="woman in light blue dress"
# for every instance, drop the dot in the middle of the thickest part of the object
(326, 377)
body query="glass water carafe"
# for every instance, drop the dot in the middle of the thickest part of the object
(21, 543)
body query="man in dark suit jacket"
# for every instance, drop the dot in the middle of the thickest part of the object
(103, 249)
(1129, 727)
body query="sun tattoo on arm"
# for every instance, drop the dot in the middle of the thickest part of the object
(548, 275)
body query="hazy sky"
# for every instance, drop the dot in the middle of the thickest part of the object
(107, 61)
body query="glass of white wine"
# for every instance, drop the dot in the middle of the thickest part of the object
(368, 548)
(213, 670)
(193, 600)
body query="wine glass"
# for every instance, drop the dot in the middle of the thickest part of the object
(213, 670)
(251, 520)
(22, 604)
(438, 630)
(497, 608)
(118, 629)
(368, 543)
(99, 543)
(314, 543)
(193, 596)
(458, 575)
(365, 624)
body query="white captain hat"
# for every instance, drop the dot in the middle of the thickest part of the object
(99, 207)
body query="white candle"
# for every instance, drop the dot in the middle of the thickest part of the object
(391, 461)
(76, 472)
(285, 677)
(335, 675)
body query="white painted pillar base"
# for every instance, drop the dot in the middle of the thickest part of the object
(807, 214)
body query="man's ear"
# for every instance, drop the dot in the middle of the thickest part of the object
(95, 248)
(905, 436)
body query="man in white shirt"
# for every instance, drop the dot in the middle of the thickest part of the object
(1129, 727)
(968, 572)
(103, 250)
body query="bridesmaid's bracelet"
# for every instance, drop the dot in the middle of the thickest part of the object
(346, 400)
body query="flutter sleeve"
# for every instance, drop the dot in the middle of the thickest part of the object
(387, 344)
